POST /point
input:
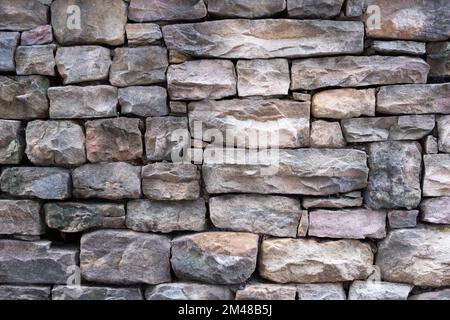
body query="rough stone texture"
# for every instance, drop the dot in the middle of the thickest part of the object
(12, 143)
(430, 145)
(143, 101)
(215, 257)
(411, 48)
(12, 292)
(435, 210)
(436, 175)
(354, 8)
(432, 295)
(179, 107)
(141, 34)
(438, 57)
(36, 60)
(245, 8)
(326, 134)
(266, 292)
(20, 217)
(166, 10)
(314, 8)
(8, 45)
(188, 291)
(321, 291)
(95, 293)
(351, 199)
(22, 15)
(302, 230)
(443, 125)
(369, 290)
(402, 218)
(125, 257)
(37, 36)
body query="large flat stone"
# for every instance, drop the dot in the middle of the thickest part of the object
(8, 45)
(377, 290)
(166, 10)
(21, 217)
(95, 293)
(12, 143)
(436, 180)
(143, 101)
(188, 291)
(318, 9)
(435, 210)
(15, 292)
(22, 15)
(245, 8)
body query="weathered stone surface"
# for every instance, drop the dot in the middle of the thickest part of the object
(432, 295)
(418, 256)
(178, 107)
(102, 22)
(143, 101)
(188, 291)
(438, 57)
(430, 145)
(201, 79)
(357, 71)
(443, 125)
(11, 292)
(77, 217)
(23, 97)
(321, 291)
(176, 57)
(436, 181)
(36, 182)
(347, 224)
(138, 66)
(411, 48)
(284, 123)
(435, 210)
(344, 103)
(82, 102)
(303, 97)
(22, 14)
(36, 60)
(166, 216)
(35, 262)
(141, 34)
(369, 290)
(302, 230)
(271, 215)
(402, 218)
(261, 77)
(326, 134)
(250, 39)
(83, 63)
(266, 292)
(215, 257)
(321, 9)
(12, 143)
(311, 261)
(125, 257)
(415, 99)
(354, 8)
(394, 179)
(351, 199)
(20, 217)
(95, 293)
(171, 181)
(55, 143)
(107, 181)
(166, 10)
(37, 36)
(245, 8)
(8, 45)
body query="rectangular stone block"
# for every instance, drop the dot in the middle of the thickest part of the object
(438, 57)
(166, 10)
(245, 8)
(143, 101)
(36, 60)
(314, 9)
(8, 45)
(21, 217)
(22, 15)
(321, 291)
(266, 292)
(12, 142)
(95, 293)
(411, 48)
(436, 180)
(435, 210)
(141, 34)
(347, 200)
(37, 36)
(15, 293)
(402, 218)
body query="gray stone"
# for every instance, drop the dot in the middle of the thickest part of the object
(245, 8)
(319, 9)
(326, 134)
(443, 125)
(352, 199)
(8, 45)
(266, 292)
(321, 291)
(178, 107)
(12, 292)
(438, 57)
(437, 175)
(430, 145)
(37, 36)
(370, 290)
(12, 143)
(432, 295)
(141, 34)
(411, 48)
(166, 10)
(22, 15)
(95, 293)
(354, 8)
(402, 218)
(435, 210)
(36, 60)
(188, 291)
(20, 217)
(143, 101)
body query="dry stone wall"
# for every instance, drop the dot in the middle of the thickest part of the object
(119, 180)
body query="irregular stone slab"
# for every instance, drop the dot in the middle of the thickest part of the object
(112, 181)
(357, 71)
(37, 36)
(55, 143)
(435, 210)
(23, 97)
(166, 216)
(138, 66)
(171, 181)
(141, 34)
(36, 182)
(436, 180)
(22, 15)
(417, 256)
(143, 101)
(438, 57)
(277, 123)
(319, 9)
(252, 39)
(215, 257)
(344, 103)
(245, 8)
(443, 125)
(432, 295)
(73, 102)
(311, 261)
(166, 10)
(321, 291)
(36, 60)
(326, 134)
(84, 63)
(95, 293)
(35, 262)
(415, 99)
(8, 45)
(21, 217)
(201, 79)
(302, 230)
(12, 143)
(347, 224)
(266, 292)
(402, 218)
(369, 290)
(188, 291)
(351, 199)
(101, 22)
(263, 77)
(411, 48)
(125, 257)
(394, 179)
(77, 217)
(271, 215)
(430, 145)
(11, 292)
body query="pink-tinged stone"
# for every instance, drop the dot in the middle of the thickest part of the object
(436, 181)
(402, 218)
(38, 35)
(436, 210)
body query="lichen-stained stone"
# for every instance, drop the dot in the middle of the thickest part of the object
(435, 210)
(432, 295)
(125, 257)
(13, 292)
(171, 181)
(318, 9)
(36, 182)
(347, 200)
(412, 127)
(35, 262)
(321, 291)
(138, 66)
(347, 224)
(188, 291)
(418, 256)
(430, 145)
(266, 292)
(277, 123)
(95, 293)
(436, 180)
(261, 77)
(410, 20)
(414, 99)
(36, 60)
(73, 102)
(21, 217)
(326, 134)
(77, 217)
(357, 71)
(344, 103)
(443, 125)
(111, 181)
(301, 171)
(116, 139)
(141, 34)
(438, 57)
(166, 216)
(378, 290)
(312, 261)
(271, 215)
(23, 97)
(100, 21)
(411, 48)
(251, 39)
(12, 143)
(8, 45)
(59, 143)
(245, 8)
(201, 79)
(22, 15)
(143, 101)
(166, 10)
(37, 36)
(162, 137)
(402, 218)
(215, 257)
